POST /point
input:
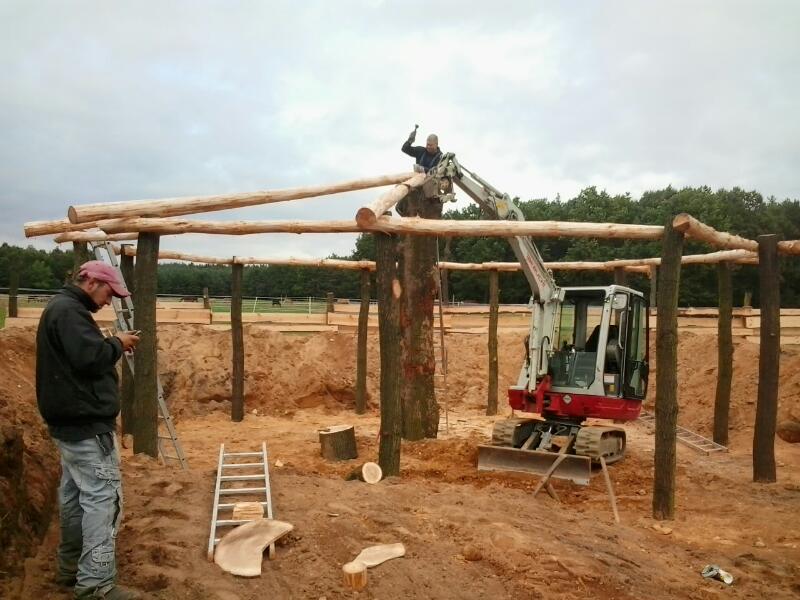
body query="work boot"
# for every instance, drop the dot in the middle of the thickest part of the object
(112, 592)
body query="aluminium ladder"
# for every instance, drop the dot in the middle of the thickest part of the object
(123, 309)
(689, 438)
(258, 472)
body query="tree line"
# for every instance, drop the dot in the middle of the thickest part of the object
(745, 213)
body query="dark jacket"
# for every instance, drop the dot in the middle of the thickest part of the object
(76, 381)
(428, 161)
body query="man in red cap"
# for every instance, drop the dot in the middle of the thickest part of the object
(77, 394)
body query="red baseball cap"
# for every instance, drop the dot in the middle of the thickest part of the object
(97, 269)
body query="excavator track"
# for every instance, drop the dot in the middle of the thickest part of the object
(594, 442)
(512, 433)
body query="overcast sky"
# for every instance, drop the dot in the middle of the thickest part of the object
(108, 101)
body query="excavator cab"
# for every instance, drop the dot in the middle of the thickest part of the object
(596, 368)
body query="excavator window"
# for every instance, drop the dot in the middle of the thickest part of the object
(573, 361)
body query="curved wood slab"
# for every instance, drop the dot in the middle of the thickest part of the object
(241, 551)
(375, 555)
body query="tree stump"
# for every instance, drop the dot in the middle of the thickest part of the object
(338, 442)
(355, 575)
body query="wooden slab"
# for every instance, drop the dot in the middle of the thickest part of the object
(375, 555)
(241, 550)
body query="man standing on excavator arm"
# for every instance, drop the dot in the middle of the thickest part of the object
(427, 156)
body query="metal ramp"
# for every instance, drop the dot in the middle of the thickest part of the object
(689, 438)
(169, 447)
(250, 470)
(440, 352)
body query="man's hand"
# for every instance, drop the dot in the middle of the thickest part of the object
(129, 339)
(413, 135)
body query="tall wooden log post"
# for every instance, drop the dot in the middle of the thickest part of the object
(494, 299)
(620, 277)
(444, 273)
(126, 397)
(237, 345)
(768, 360)
(145, 380)
(13, 292)
(361, 358)
(418, 280)
(667, 375)
(80, 254)
(722, 399)
(328, 307)
(206, 299)
(653, 286)
(389, 294)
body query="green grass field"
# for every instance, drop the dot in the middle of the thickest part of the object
(266, 306)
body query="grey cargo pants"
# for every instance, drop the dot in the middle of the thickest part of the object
(90, 502)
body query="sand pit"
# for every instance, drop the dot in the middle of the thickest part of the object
(466, 534)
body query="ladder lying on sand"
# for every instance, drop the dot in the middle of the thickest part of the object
(123, 309)
(691, 439)
(250, 470)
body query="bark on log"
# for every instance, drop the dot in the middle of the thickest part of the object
(667, 376)
(80, 255)
(237, 339)
(653, 286)
(368, 215)
(145, 407)
(722, 397)
(126, 395)
(354, 575)
(494, 300)
(338, 442)
(418, 279)
(444, 275)
(768, 361)
(619, 276)
(389, 293)
(13, 293)
(361, 357)
(206, 299)
(170, 207)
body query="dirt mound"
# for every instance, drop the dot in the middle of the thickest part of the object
(29, 467)
(697, 382)
(284, 373)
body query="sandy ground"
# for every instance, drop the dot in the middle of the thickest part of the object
(467, 534)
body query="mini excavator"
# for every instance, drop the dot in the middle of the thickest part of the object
(586, 357)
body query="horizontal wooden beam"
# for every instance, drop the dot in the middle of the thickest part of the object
(171, 207)
(331, 263)
(368, 215)
(93, 236)
(179, 226)
(171, 255)
(37, 228)
(415, 226)
(734, 256)
(692, 228)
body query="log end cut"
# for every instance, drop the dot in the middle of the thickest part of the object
(366, 218)
(355, 575)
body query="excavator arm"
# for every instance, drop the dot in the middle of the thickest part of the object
(546, 296)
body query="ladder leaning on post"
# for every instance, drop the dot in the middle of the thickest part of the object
(123, 310)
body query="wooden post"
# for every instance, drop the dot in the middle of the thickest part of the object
(494, 294)
(145, 380)
(389, 294)
(419, 277)
(444, 274)
(667, 375)
(126, 394)
(206, 299)
(328, 306)
(13, 291)
(768, 360)
(724, 354)
(361, 357)
(237, 338)
(653, 286)
(80, 254)
(620, 277)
